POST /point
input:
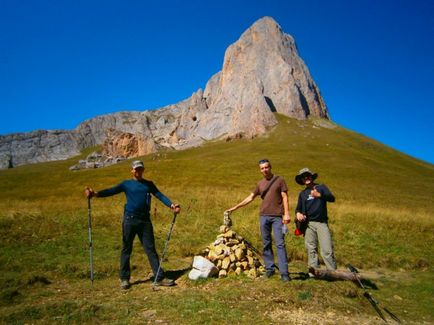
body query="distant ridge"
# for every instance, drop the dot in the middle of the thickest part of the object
(262, 73)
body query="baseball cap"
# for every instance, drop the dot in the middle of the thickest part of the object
(137, 164)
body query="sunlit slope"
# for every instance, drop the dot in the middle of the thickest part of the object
(382, 220)
(379, 190)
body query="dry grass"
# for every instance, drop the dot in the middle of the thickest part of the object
(382, 222)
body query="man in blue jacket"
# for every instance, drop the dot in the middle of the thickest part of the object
(312, 208)
(137, 221)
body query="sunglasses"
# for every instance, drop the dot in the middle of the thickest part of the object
(263, 161)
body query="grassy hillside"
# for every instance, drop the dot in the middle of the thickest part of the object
(382, 223)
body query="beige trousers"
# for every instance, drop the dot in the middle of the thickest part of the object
(319, 232)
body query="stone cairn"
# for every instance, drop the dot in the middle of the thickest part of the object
(232, 254)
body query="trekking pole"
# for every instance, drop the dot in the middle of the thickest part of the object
(89, 210)
(370, 298)
(165, 249)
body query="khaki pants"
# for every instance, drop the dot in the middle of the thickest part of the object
(319, 232)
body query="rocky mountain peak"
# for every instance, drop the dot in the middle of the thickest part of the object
(262, 73)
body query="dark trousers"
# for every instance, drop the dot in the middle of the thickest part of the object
(269, 224)
(145, 232)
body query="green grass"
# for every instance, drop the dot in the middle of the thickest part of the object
(382, 222)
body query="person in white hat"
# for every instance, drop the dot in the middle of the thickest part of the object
(312, 209)
(136, 220)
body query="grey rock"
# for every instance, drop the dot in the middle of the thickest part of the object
(5, 160)
(96, 160)
(39, 146)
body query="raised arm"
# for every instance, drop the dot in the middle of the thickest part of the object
(89, 192)
(244, 202)
(322, 191)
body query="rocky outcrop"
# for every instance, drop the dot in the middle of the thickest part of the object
(262, 74)
(38, 146)
(96, 160)
(5, 161)
(264, 56)
(124, 144)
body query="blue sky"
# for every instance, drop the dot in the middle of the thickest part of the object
(62, 62)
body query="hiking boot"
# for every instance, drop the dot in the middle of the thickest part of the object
(285, 278)
(125, 284)
(165, 282)
(269, 274)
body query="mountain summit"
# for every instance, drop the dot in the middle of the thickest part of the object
(262, 73)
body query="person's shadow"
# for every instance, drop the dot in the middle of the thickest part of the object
(171, 274)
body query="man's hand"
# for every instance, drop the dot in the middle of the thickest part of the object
(176, 208)
(300, 217)
(315, 193)
(286, 219)
(89, 192)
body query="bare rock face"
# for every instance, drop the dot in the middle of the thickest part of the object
(261, 74)
(37, 146)
(5, 161)
(267, 58)
(123, 144)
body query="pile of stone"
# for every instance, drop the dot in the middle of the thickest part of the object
(232, 254)
(96, 160)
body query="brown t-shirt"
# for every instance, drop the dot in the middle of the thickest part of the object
(272, 204)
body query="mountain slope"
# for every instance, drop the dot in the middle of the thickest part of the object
(382, 222)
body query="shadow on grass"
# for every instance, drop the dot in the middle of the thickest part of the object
(299, 276)
(171, 274)
(369, 284)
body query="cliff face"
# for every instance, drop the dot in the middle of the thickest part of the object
(262, 73)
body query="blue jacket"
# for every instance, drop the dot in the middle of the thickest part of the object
(138, 194)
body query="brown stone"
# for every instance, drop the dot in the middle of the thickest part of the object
(212, 256)
(240, 254)
(219, 264)
(228, 234)
(225, 263)
(252, 273)
(222, 273)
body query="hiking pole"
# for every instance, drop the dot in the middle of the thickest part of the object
(370, 298)
(165, 249)
(89, 210)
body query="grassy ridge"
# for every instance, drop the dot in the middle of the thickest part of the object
(382, 222)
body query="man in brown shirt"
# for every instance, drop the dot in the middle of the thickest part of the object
(273, 213)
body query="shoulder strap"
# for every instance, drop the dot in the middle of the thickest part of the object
(268, 187)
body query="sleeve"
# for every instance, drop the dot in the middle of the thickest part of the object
(326, 194)
(283, 186)
(112, 191)
(164, 199)
(299, 207)
(256, 191)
